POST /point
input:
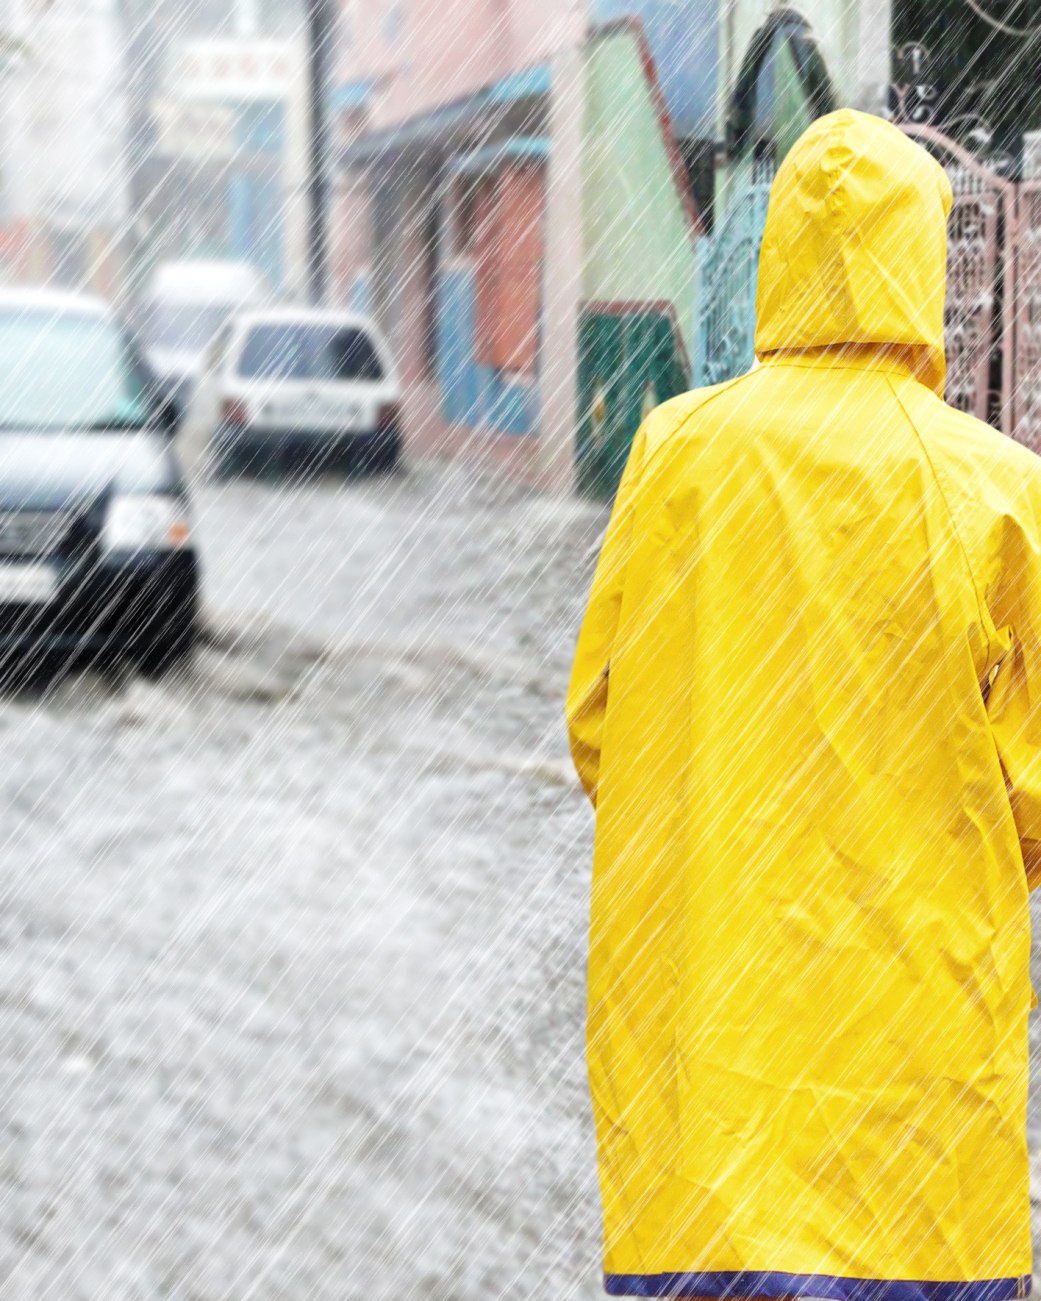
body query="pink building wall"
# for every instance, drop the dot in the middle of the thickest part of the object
(438, 51)
(419, 56)
(350, 235)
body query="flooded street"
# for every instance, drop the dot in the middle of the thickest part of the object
(308, 1019)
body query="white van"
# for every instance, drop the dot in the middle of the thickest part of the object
(186, 305)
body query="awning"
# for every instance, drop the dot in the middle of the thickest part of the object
(350, 95)
(517, 149)
(528, 83)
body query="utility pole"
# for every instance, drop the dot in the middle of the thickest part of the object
(144, 50)
(319, 27)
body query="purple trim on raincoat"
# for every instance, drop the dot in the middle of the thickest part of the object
(773, 1283)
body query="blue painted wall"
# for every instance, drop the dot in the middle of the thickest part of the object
(684, 39)
(471, 394)
(506, 405)
(456, 364)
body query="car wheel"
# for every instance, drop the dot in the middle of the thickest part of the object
(382, 457)
(167, 656)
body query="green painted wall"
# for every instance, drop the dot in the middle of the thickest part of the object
(637, 238)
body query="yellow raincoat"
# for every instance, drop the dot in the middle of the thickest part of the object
(806, 702)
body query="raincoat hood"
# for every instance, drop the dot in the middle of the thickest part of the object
(855, 246)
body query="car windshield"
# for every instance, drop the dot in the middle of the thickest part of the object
(183, 327)
(62, 369)
(298, 350)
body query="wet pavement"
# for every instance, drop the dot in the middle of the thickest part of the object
(292, 946)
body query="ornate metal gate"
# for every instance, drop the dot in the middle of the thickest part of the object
(981, 281)
(1026, 345)
(727, 270)
(993, 316)
(993, 305)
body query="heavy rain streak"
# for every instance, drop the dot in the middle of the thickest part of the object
(327, 331)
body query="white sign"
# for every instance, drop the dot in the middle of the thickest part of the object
(239, 69)
(197, 129)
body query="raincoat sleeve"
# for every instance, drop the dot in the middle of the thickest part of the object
(1014, 688)
(587, 693)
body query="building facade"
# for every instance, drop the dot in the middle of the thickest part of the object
(554, 210)
(442, 189)
(515, 203)
(64, 196)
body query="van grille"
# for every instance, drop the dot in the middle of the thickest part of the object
(33, 532)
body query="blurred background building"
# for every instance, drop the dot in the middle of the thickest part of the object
(227, 163)
(524, 193)
(443, 163)
(552, 209)
(220, 133)
(63, 192)
(135, 131)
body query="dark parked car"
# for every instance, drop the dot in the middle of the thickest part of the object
(96, 550)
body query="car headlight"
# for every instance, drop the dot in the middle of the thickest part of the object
(145, 522)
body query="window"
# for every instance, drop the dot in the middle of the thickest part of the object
(62, 370)
(299, 350)
(352, 356)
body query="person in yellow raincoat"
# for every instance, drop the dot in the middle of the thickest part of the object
(806, 704)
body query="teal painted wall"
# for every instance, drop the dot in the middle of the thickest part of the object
(684, 39)
(637, 236)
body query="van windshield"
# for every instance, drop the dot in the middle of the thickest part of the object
(299, 350)
(65, 370)
(183, 327)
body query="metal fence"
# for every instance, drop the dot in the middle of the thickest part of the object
(727, 268)
(993, 305)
